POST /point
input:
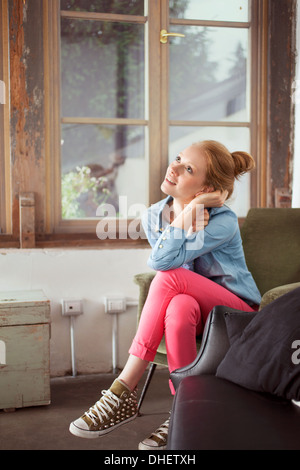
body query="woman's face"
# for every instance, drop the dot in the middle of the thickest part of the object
(185, 176)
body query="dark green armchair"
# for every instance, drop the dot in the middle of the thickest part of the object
(271, 241)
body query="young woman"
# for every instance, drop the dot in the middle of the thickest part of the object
(198, 255)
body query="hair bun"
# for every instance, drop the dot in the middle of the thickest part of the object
(243, 162)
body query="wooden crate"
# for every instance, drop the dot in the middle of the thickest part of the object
(24, 349)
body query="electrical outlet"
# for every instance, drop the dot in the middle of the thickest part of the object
(115, 304)
(72, 307)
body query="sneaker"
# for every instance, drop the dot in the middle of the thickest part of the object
(158, 439)
(117, 406)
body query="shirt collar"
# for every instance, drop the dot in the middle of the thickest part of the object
(164, 202)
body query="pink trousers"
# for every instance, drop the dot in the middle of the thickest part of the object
(177, 306)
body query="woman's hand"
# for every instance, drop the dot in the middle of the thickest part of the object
(197, 212)
(192, 219)
(200, 221)
(211, 199)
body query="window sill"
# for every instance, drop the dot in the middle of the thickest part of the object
(68, 240)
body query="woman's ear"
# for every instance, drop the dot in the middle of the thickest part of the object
(205, 189)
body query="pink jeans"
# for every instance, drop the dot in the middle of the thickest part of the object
(177, 306)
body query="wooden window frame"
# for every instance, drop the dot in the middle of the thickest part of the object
(84, 229)
(50, 231)
(158, 18)
(5, 179)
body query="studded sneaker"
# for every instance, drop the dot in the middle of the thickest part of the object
(158, 439)
(117, 406)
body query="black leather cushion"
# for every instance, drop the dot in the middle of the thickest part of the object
(261, 358)
(209, 413)
(215, 341)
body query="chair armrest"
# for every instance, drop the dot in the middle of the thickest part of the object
(214, 346)
(143, 280)
(273, 294)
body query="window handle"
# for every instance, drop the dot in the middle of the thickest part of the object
(164, 36)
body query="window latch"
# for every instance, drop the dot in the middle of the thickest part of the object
(164, 36)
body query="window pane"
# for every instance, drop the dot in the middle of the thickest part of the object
(234, 139)
(211, 10)
(99, 164)
(209, 74)
(131, 7)
(102, 69)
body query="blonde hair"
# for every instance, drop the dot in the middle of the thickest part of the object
(224, 167)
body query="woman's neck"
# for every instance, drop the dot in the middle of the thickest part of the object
(177, 206)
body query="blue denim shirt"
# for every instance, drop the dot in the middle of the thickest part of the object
(215, 252)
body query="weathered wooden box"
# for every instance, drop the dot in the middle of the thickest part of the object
(24, 349)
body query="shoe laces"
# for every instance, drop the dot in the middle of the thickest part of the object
(103, 406)
(162, 430)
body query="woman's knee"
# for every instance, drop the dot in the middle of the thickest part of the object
(162, 275)
(183, 310)
(170, 278)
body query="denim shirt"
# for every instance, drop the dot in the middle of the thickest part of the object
(215, 252)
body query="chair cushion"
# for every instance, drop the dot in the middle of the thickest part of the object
(264, 357)
(209, 413)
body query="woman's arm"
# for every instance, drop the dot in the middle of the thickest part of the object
(176, 247)
(194, 216)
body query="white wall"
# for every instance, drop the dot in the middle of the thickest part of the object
(89, 275)
(296, 182)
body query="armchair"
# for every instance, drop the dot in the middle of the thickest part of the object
(271, 241)
(212, 412)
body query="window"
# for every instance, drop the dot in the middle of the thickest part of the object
(102, 110)
(129, 103)
(111, 99)
(102, 106)
(210, 80)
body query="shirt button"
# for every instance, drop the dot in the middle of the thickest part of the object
(164, 238)
(160, 246)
